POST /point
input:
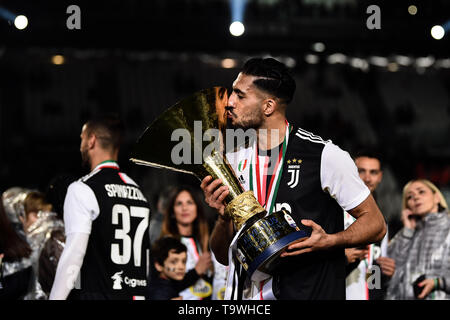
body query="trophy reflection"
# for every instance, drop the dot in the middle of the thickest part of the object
(199, 121)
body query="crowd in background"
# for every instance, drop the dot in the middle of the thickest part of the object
(32, 239)
(44, 234)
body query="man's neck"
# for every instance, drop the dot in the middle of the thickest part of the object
(272, 133)
(95, 161)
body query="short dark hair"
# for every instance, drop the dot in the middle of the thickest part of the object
(109, 130)
(162, 247)
(370, 153)
(276, 78)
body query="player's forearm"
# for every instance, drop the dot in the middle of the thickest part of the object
(221, 238)
(64, 280)
(369, 226)
(69, 266)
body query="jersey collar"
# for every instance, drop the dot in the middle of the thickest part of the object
(111, 164)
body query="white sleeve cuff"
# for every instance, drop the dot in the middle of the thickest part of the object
(357, 201)
(339, 176)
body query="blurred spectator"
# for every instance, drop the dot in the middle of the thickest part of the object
(360, 260)
(169, 261)
(15, 266)
(186, 221)
(44, 230)
(33, 203)
(156, 219)
(421, 250)
(13, 203)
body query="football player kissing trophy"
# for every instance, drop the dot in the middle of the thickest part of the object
(198, 119)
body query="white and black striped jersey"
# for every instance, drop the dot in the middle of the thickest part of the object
(110, 206)
(318, 180)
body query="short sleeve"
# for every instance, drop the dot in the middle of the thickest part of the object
(339, 176)
(80, 208)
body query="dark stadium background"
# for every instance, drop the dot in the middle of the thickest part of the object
(387, 88)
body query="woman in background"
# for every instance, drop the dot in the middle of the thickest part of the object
(421, 250)
(186, 221)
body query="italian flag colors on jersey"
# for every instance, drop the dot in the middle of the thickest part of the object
(242, 165)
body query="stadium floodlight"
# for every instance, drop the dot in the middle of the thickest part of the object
(58, 59)
(412, 10)
(237, 17)
(437, 32)
(21, 22)
(237, 28)
(318, 47)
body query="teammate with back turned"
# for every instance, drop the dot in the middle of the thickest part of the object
(106, 219)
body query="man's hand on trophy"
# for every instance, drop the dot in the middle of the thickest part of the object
(214, 193)
(319, 240)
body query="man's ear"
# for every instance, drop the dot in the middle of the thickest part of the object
(92, 140)
(159, 267)
(269, 106)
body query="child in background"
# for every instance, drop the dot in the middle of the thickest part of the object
(169, 257)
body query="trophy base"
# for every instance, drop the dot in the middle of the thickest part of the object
(261, 243)
(267, 261)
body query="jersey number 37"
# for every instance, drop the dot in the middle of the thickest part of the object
(122, 234)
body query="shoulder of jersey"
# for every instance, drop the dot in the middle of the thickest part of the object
(89, 175)
(125, 178)
(306, 135)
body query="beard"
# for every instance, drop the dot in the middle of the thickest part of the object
(248, 121)
(85, 160)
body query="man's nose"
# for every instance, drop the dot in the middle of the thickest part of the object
(364, 177)
(232, 100)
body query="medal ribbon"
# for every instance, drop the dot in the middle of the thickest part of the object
(368, 263)
(262, 197)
